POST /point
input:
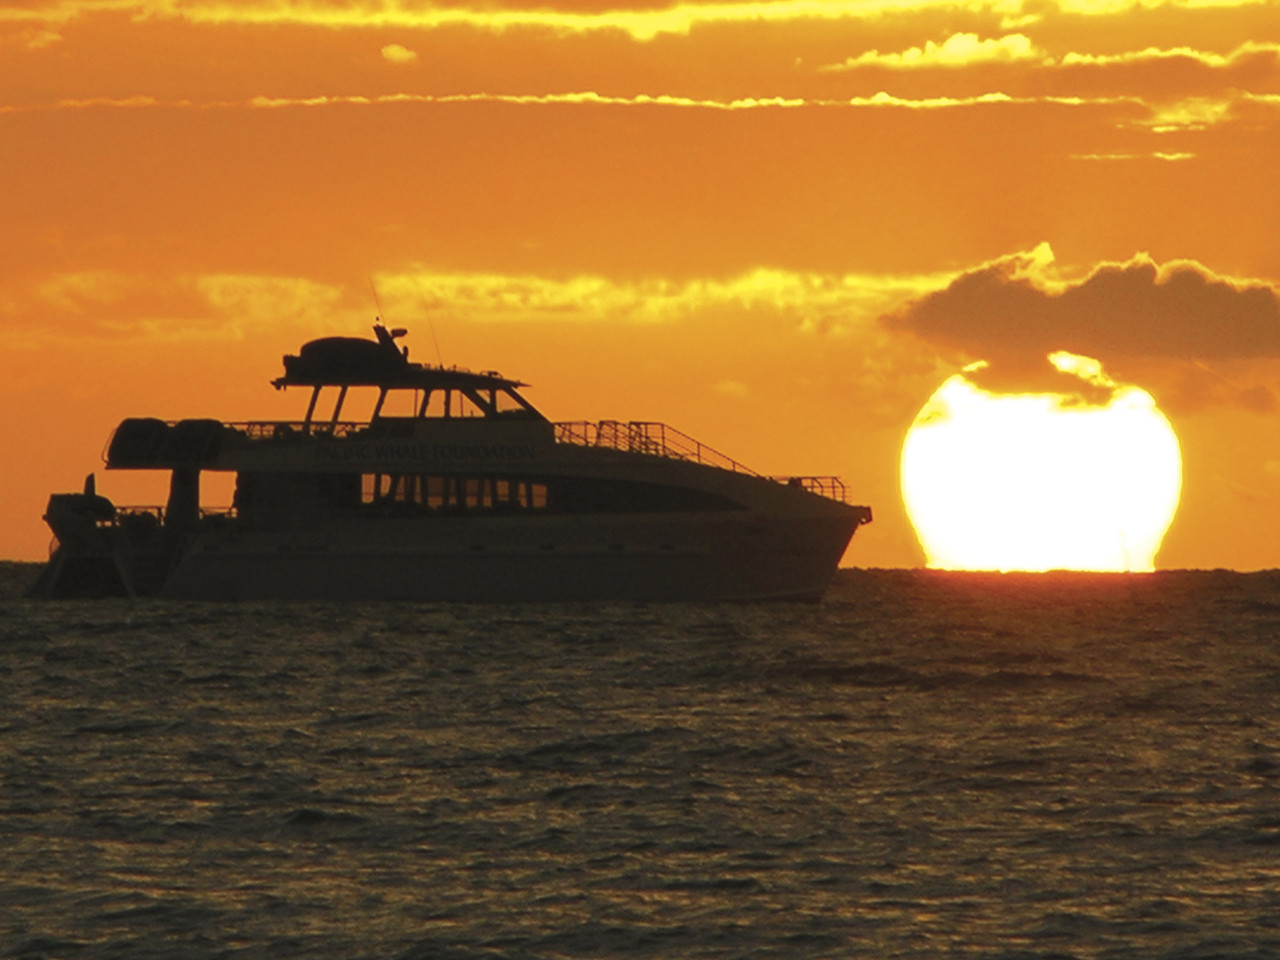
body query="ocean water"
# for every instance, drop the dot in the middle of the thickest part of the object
(923, 765)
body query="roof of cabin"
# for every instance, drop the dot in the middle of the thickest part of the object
(352, 361)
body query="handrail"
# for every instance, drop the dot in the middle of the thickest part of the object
(645, 436)
(158, 512)
(632, 436)
(287, 429)
(832, 488)
(658, 439)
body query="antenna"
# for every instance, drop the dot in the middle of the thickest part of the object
(431, 326)
(377, 302)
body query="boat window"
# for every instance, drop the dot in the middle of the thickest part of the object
(464, 405)
(507, 403)
(537, 493)
(436, 493)
(453, 493)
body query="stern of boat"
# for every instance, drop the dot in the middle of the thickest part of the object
(90, 558)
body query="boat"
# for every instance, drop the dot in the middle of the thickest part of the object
(467, 493)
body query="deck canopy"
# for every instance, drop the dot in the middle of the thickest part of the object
(354, 362)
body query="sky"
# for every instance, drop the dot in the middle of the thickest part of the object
(777, 226)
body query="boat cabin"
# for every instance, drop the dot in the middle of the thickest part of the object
(439, 392)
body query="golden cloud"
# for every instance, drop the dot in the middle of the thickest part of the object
(585, 98)
(641, 24)
(115, 304)
(396, 53)
(118, 304)
(958, 50)
(808, 297)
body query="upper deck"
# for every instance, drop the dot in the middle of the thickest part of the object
(440, 392)
(456, 410)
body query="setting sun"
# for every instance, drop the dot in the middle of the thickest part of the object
(1070, 480)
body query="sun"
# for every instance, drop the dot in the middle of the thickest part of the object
(1084, 479)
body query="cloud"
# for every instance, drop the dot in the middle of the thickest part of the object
(958, 50)
(395, 53)
(32, 38)
(1022, 306)
(881, 100)
(642, 23)
(117, 304)
(1193, 113)
(733, 389)
(818, 303)
(1167, 157)
(113, 305)
(1180, 88)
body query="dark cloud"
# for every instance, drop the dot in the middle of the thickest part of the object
(1016, 308)
(1038, 375)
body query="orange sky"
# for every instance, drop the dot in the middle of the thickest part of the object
(777, 226)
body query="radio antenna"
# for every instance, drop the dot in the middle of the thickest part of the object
(377, 301)
(426, 305)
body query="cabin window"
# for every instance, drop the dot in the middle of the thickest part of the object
(537, 493)
(506, 403)
(446, 493)
(453, 493)
(437, 491)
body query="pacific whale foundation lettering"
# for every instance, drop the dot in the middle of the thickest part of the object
(426, 452)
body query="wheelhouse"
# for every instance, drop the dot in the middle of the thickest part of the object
(437, 392)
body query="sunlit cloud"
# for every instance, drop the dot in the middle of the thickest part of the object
(1147, 55)
(881, 100)
(641, 24)
(91, 290)
(259, 300)
(1197, 113)
(958, 50)
(1188, 88)
(583, 97)
(809, 298)
(396, 53)
(1167, 157)
(32, 38)
(1102, 8)
(88, 103)
(118, 304)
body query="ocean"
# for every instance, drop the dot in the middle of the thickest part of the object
(923, 765)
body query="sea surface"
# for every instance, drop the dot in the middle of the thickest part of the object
(923, 765)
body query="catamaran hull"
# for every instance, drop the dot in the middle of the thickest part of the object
(566, 561)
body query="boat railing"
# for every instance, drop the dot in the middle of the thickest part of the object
(658, 439)
(155, 514)
(287, 429)
(644, 436)
(832, 488)
(139, 514)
